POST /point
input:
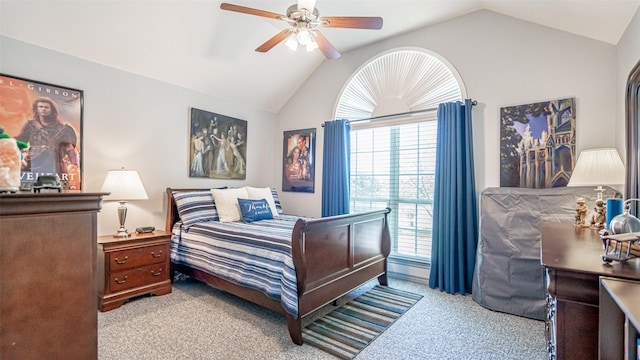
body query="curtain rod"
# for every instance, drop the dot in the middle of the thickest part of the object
(391, 116)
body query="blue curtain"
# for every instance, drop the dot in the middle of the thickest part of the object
(335, 169)
(455, 221)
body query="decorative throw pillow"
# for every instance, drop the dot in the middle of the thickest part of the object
(195, 206)
(227, 203)
(254, 210)
(263, 193)
(276, 200)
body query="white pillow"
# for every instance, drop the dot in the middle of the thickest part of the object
(263, 193)
(227, 203)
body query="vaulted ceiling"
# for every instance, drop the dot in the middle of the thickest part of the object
(196, 45)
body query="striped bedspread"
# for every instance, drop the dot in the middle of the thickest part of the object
(255, 255)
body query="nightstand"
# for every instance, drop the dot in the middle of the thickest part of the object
(133, 266)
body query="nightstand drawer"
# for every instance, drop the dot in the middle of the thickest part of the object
(132, 258)
(137, 277)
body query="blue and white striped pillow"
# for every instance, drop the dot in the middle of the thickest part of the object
(195, 206)
(276, 200)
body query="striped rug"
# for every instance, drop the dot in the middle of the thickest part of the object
(350, 328)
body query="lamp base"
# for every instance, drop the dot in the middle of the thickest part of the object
(122, 233)
(122, 215)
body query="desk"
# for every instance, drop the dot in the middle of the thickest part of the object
(619, 319)
(571, 259)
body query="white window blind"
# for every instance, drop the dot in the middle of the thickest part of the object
(394, 166)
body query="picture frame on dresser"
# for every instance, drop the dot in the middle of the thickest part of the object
(49, 118)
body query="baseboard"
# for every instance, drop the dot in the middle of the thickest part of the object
(408, 269)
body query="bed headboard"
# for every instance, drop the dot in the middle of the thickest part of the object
(172, 209)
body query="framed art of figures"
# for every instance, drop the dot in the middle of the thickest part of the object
(538, 144)
(299, 160)
(217, 146)
(49, 118)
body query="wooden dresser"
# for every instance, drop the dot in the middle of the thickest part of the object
(572, 263)
(47, 282)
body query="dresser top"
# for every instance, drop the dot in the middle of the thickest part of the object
(49, 202)
(565, 247)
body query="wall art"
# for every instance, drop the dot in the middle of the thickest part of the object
(298, 152)
(538, 144)
(49, 118)
(217, 146)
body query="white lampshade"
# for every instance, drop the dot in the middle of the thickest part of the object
(124, 185)
(597, 167)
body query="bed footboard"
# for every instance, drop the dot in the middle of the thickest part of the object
(337, 254)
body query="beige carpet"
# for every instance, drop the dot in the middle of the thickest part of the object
(197, 322)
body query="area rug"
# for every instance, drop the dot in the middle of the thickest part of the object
(350, 328)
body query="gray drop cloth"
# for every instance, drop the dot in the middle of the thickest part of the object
(508, 275)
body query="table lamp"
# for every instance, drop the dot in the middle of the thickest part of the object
(597, 167)
(124, 185)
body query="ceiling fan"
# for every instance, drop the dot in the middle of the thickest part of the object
(303, 19)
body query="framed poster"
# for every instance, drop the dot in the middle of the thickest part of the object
(49, 118)
(217, 146)
(538, 144)
(298, 152)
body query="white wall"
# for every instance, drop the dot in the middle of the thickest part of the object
(140, 124)
(503, 61)
(628, 54)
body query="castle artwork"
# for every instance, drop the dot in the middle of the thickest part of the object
(538, 144)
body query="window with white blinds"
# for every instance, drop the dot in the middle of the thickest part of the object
(394, 166)
(393, 152)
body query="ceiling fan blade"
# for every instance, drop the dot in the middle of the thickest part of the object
(275, 40)
(250, 11)
(325, 46)
(352, 22)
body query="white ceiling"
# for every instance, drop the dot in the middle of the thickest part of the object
(196, 45)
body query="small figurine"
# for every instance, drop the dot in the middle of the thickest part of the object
(600, 217)
(10, 162)
(581, 213)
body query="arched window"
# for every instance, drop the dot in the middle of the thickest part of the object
(399, 81)
(391, 102)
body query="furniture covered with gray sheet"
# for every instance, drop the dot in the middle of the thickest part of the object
(508, 274)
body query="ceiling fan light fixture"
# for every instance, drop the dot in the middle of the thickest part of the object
(303, 19)
(304, 37)
(306, 4)
(312, 45)
(292, 42)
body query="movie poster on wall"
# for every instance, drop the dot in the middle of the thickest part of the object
(299, 160)
(538, 144)
(49, 118)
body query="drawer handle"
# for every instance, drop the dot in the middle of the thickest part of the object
(156, 273)
(156, 255)
(124, 280)
(122, 261)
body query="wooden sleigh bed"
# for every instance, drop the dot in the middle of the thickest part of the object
(332, 256)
